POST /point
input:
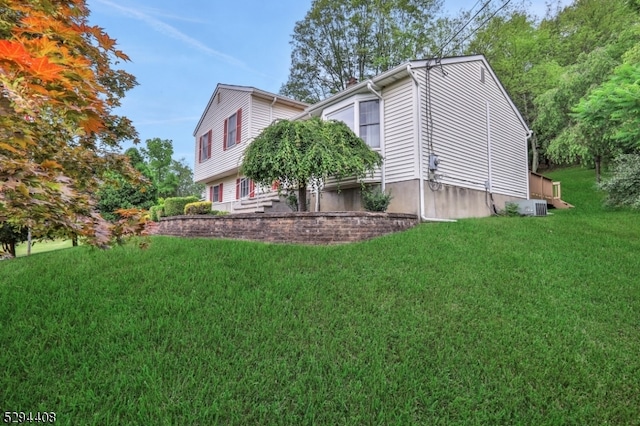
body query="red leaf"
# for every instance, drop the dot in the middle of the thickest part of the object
(45, 70)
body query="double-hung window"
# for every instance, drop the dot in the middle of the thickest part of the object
(204, 152)
(245, 188)
(363, 117)
(232, 130)
(216, 193)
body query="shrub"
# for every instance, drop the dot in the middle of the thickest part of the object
(156, 212)
(174, 206)
(375, 200)
(623, 187)
(511, 210)
(200, 207)
(218, 212)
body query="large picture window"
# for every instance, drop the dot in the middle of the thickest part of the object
(363, 117)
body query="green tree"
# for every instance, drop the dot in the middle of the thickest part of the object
(158, 153)
(184, 178)
(343, 39)
(298, 154)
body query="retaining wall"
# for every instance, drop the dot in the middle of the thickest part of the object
(305, 228)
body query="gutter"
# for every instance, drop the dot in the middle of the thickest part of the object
(420, 153)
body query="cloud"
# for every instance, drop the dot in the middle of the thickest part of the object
(173, 32)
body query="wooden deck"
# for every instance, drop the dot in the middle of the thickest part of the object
(544, 188)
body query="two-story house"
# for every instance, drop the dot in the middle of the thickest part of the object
(454, 144)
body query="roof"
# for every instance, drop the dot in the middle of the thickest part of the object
(400, 72)
(253, 91)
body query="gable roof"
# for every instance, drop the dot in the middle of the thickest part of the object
(401, 71)
(252, 91)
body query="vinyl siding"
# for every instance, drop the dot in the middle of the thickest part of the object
(256, 115)
(461, 125)
(222, 161)
(399, 127)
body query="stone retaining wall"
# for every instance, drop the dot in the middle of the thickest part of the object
(305, 228)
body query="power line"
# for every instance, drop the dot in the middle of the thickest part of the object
(464, 26)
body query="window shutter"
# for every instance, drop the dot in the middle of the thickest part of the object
(200, 149)
(238, 125)
(220, 193)
(275, 185)
(210, 138)
(211, 193)
(252, 189)
(224, 140)
(237, 189)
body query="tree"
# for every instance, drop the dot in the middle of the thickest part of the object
(343, 39)
(184, 178)
(158, 157)
(10, 235)
(58, 131)
(296, 154)
(623, 187)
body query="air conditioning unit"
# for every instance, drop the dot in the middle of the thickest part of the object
(532, 207)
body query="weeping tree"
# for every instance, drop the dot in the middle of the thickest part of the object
(302, 154)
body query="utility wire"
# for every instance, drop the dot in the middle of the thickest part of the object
(439, 56)
(479, 26)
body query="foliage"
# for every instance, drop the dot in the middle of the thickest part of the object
(343, 39)
(131, 223)
(375, 200)
(156, 212)
(57, 125)
(487, 321)
(301, 153)
(174, 206)
(199, 207)
(185, 185)
(119, 193)
(10, 235)
(511, 210)
(623, 186)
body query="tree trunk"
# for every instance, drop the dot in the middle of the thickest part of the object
(74, 240)
(12, 249)
(29, 242)
(598, 160)
(302, 198)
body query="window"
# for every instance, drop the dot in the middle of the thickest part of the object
(370, 122)
(244, 188)
(216, 193)
(363, 117)
(204, 153)
(232, 130)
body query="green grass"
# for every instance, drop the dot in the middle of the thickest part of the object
(42, 246)
(481, 322)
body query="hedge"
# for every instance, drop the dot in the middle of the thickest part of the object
(174, 206)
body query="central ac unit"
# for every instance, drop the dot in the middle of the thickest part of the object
(532, 207)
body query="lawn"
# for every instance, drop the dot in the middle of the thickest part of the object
(484, 321)
(43, 246)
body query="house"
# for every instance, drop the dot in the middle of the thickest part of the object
(454, 144)
(234, 116)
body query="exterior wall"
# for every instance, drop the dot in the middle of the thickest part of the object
(400, 119)
(476, 133)
(305, 228)
(257, 113)
(222, 161)
(228, 193)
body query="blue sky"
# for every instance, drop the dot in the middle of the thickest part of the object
(180, 51)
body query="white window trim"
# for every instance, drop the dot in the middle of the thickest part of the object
(355, 102)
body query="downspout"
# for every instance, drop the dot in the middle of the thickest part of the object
(420, 153)
(526, 149)
(383, 144)
(271, 109)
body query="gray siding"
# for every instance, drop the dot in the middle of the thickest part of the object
(399, 128)
(471, 118)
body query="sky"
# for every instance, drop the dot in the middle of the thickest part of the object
(180, 51)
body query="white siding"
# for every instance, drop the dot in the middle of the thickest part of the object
(462, 127)
(257, 114)
(399, 125)
(222, 161)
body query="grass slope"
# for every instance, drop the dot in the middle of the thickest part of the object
(484, 321)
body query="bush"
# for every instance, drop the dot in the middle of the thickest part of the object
(375, 200)
(200, 207)
(174, 206)
(623, 187)
(218, 212)
(510, 210)
(156, 212)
